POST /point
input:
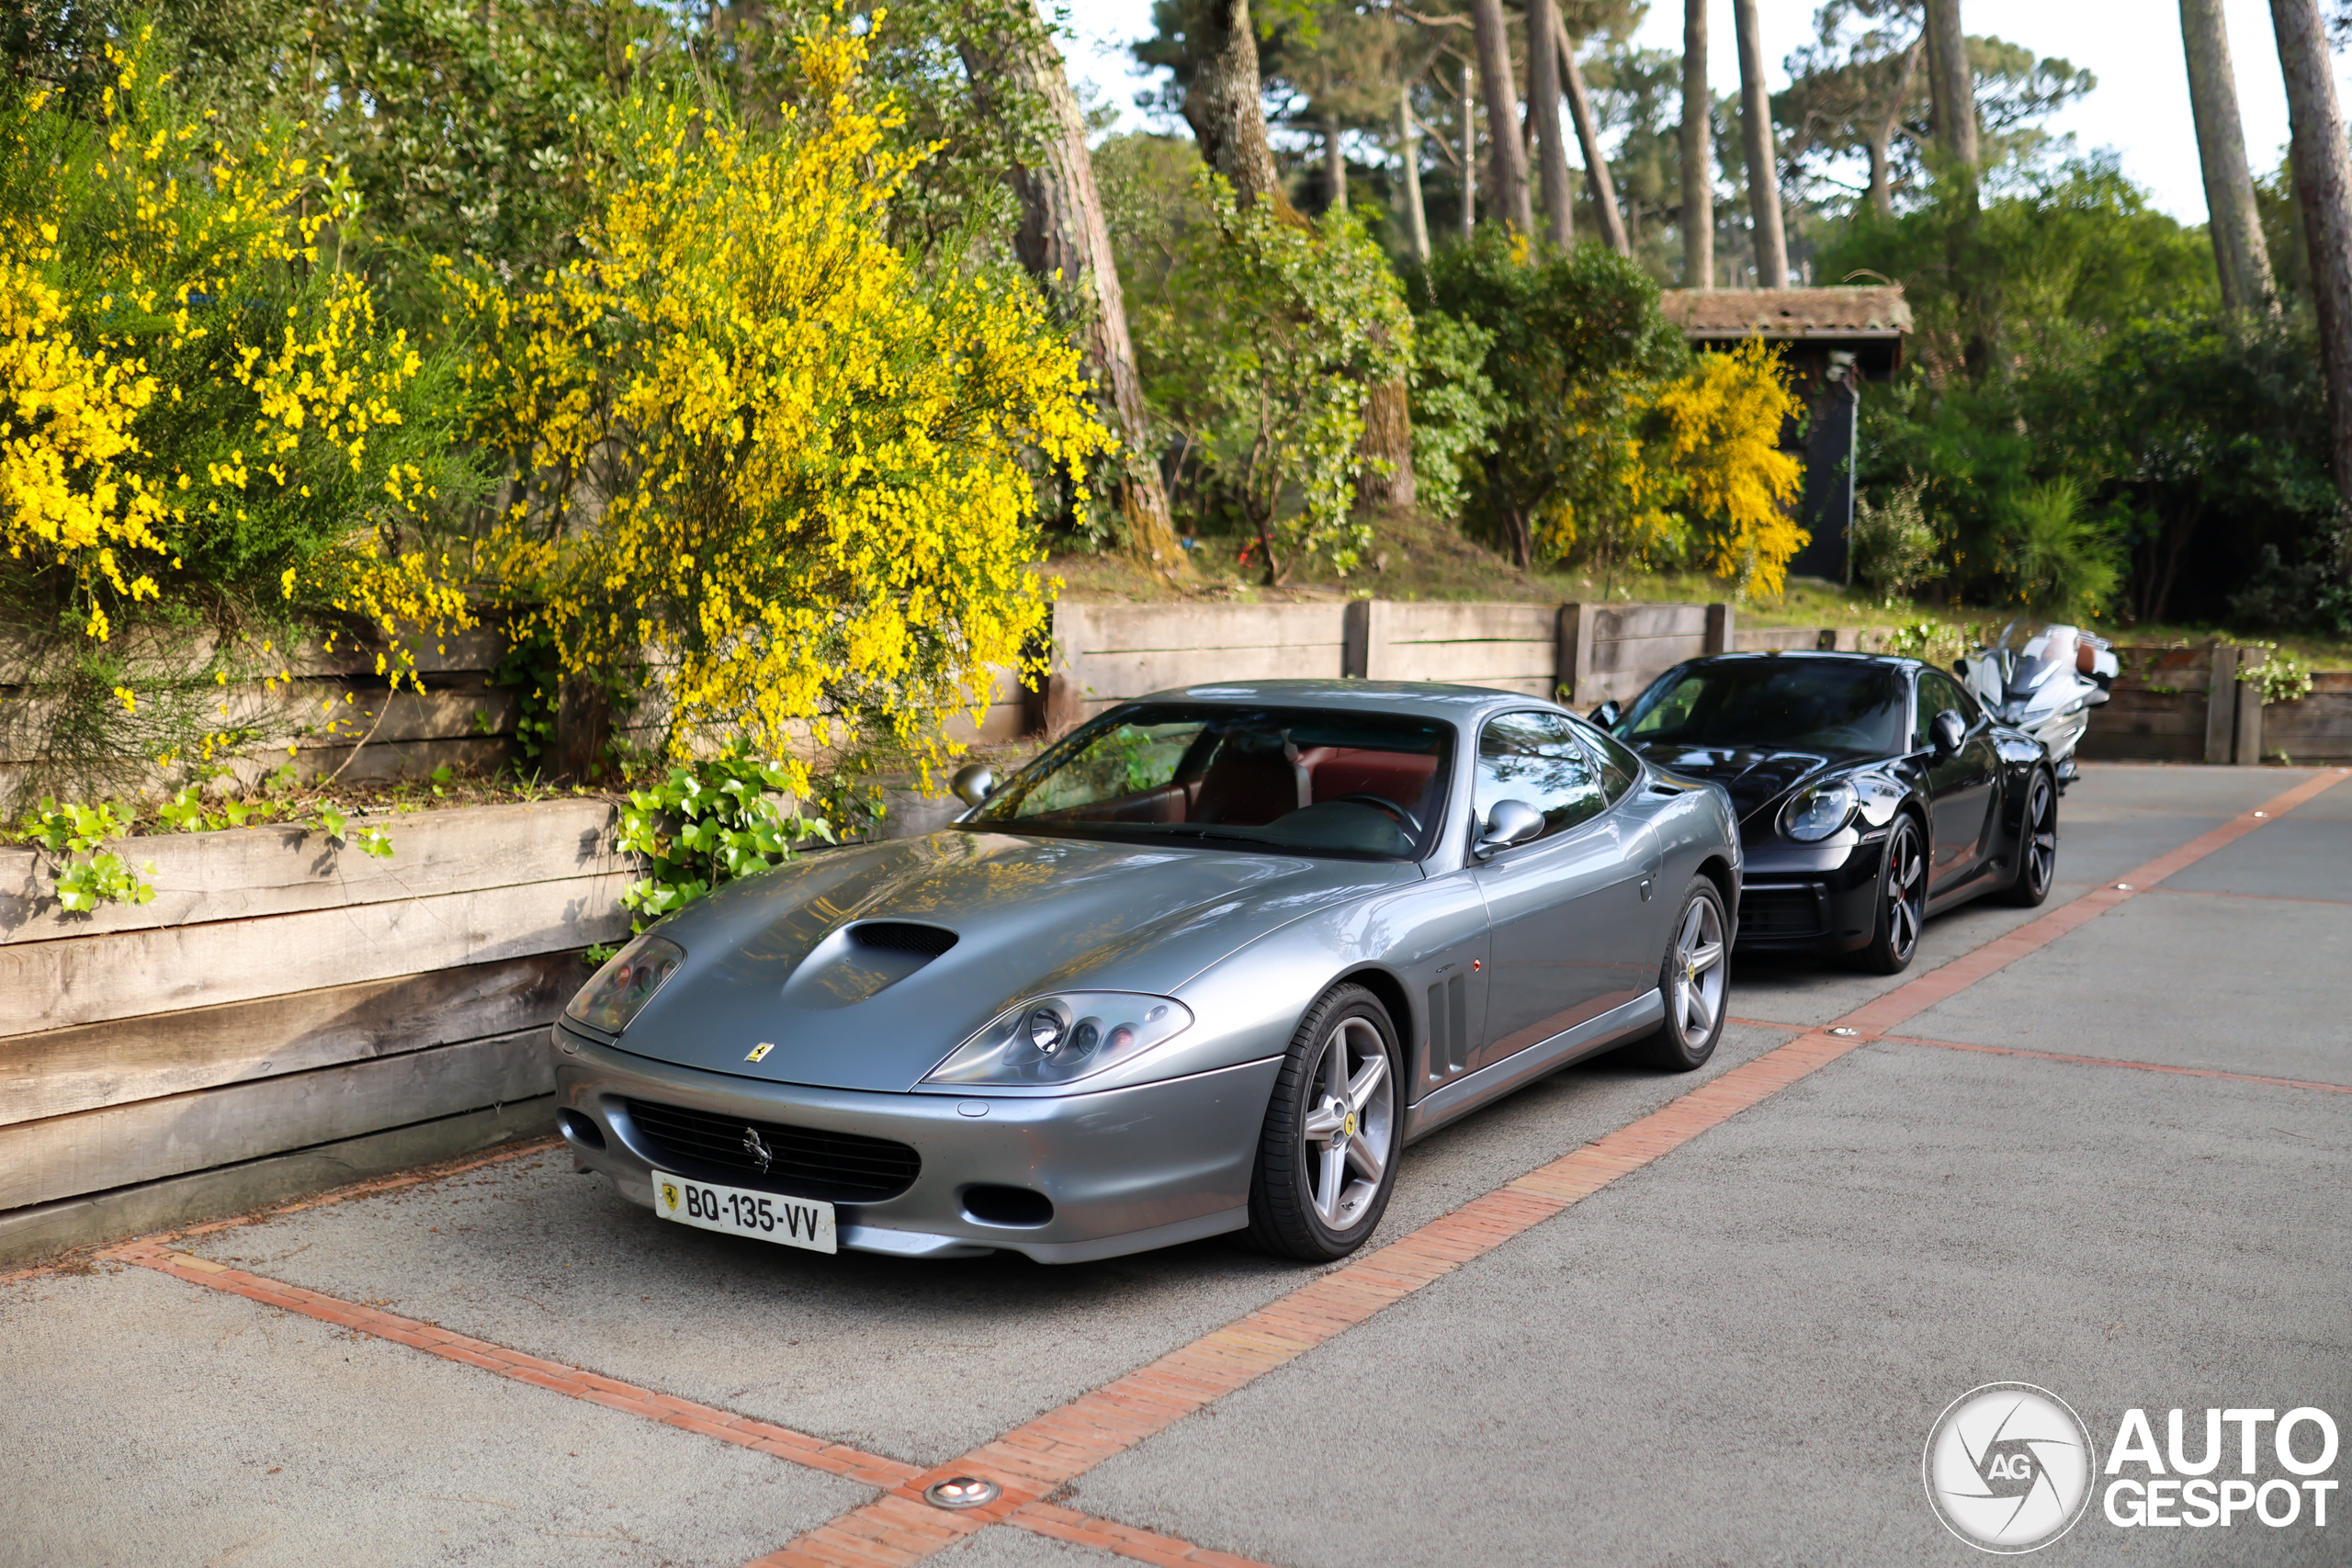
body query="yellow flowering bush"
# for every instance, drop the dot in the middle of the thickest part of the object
(206, 435)
(768, 461)
(1721, 441)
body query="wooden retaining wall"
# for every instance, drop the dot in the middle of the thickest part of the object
(286, 1016)
(2190, 705)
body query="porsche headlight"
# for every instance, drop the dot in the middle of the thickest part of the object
(1819, 812)
(615, 993)
(1059, 1039)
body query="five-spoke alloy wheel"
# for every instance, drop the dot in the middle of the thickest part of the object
(2037, 848)
(1327, 1160)
(1902, 899)
(1692, 983)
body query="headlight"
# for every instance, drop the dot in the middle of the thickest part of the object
(1058, 1039)
(1819, 812)
(615, 993)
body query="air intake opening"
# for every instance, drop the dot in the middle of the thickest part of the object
(903, 936)
(1008, 1206)
(581, 1129)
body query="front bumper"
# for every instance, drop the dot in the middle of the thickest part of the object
(1125, 1170)
(1808, 897)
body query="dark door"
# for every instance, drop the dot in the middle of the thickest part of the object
(1571, 914)
(1960, 787)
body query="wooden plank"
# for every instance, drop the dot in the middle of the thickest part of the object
(44, 1230)
(1444, 621)
(1116, 676)
(1152, 628)
(1651, 653)
(2221, 707)
(58, 984)
(93, 1151)
(1766, 639)
(1619, 621)
(67, 1070)
(242, 872)
(1471, 663)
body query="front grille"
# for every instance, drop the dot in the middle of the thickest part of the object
(1780, 912)
(842, 1168)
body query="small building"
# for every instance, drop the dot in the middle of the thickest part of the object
(1833, 340)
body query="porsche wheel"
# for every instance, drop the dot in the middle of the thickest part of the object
(2037, 844)
(1327, 1158)
(1693, 983)
(1901, 901)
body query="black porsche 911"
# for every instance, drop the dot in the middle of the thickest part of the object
(1871, 790)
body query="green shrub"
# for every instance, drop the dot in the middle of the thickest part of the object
(1894, 548)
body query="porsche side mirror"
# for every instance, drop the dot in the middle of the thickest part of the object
(1511, 822)
(1948, 729)
(974, 783)
(1608, 714)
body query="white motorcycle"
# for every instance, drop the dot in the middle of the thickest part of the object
(2045, 681)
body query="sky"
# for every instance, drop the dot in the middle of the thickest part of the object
(2140, 107)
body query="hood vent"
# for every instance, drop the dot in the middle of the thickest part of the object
(903, 936)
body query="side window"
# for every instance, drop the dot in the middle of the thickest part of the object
(1935, 693)
(1619, 767)
(1538, 758)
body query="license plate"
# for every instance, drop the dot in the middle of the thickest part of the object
(764, 1216)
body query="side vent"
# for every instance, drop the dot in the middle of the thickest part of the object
(903, 936)
(1448, 1028)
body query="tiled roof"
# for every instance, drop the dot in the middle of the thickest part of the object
(1788, 312)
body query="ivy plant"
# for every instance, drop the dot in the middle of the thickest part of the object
(709, 823)
(86, 872)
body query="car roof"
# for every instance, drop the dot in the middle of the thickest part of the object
(1420, 699)
(1806, 655)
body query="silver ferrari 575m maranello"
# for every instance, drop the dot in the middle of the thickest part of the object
(1207, 965)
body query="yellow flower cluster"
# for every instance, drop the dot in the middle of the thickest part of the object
(183, 384)
(1725, 420)
(777, 465)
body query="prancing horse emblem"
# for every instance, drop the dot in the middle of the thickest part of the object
(755, 1146)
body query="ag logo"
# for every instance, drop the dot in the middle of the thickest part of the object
(670, 1196)
(2008, 1467)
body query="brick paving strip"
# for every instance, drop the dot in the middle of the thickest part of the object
(1034, 1461)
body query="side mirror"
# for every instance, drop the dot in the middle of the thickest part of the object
(1948, 729)
(1608, 714)
(1511, 822)
(974, 783)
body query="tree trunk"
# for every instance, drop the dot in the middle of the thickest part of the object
(1881, 136)
(1502, 115)
(1952, 87)
(2238, 250)
(1417, 217)
(1596, 161)
(1763, 161)
(2323, 192)
(1469, 156)
(1698, 153)
(1223, 106)
(1335, 165)
(1543, 57)
(1065, 244)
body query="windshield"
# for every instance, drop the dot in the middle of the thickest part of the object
(1819, 706)
(1364, 785)
(2039, 655)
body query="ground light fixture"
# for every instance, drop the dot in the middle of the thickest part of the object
(961, 1491)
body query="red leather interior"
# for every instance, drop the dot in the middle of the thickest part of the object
(1251, 788)
(1401, 776)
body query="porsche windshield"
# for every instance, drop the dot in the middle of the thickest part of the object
(1825, 704)
(1364, 786)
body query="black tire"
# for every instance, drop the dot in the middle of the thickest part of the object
(2037, 846)
(1291, 1214)
(1694, 982)
(1901, 901)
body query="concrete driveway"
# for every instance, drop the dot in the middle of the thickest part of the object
(2102, 1148)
